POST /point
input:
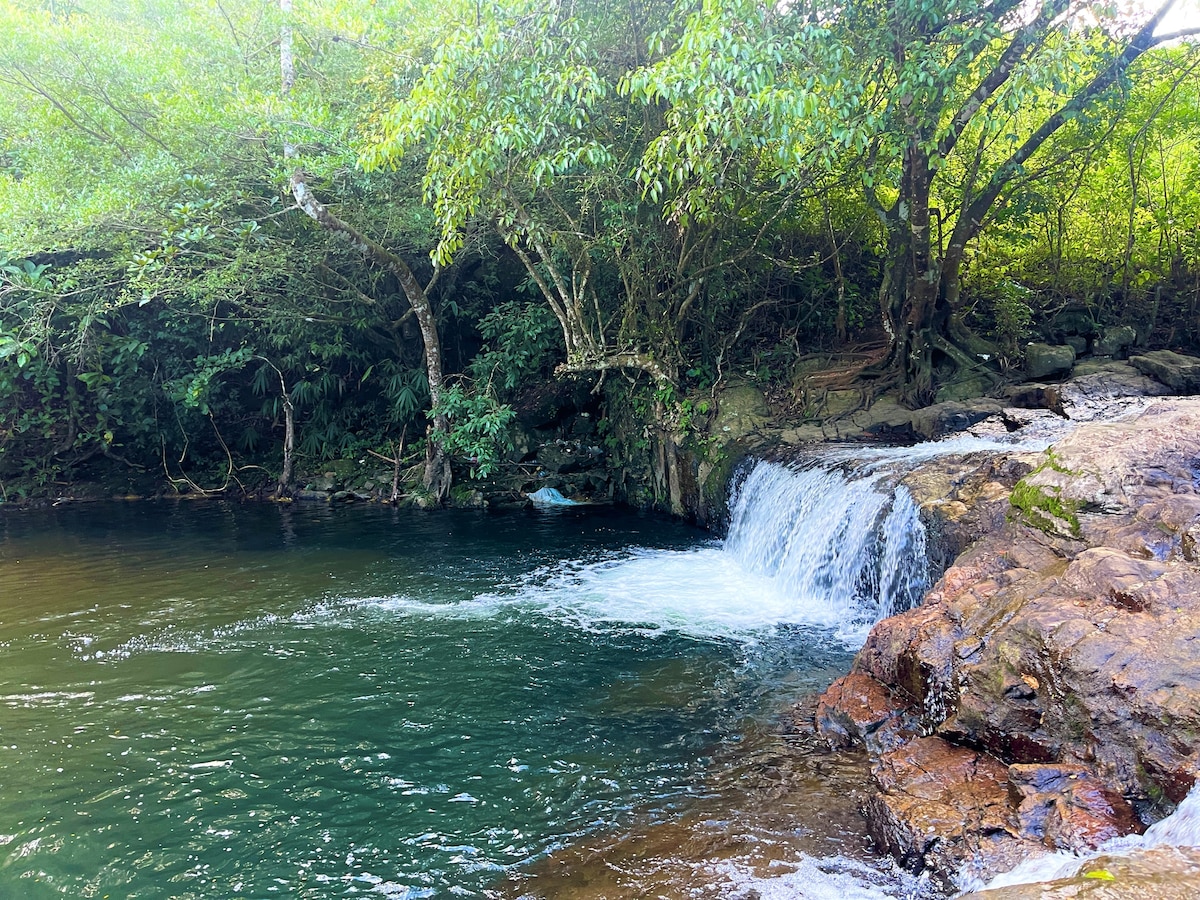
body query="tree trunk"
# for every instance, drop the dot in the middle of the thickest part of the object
(437, 465)
(289, 446)
(283, 488)
(287, 62)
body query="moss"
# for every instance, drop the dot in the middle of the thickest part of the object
(1045, 509)
(1052, 463)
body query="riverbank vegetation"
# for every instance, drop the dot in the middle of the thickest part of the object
(240, 237)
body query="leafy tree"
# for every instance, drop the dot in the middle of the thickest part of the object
(146, 139)
(947, 109)
(531, 123)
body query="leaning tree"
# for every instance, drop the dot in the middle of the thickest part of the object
(946, 109)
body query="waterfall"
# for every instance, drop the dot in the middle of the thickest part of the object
(834, 543)
(833, 535)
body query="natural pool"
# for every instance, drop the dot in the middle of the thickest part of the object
(212, 700)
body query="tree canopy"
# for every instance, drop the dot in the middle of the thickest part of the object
(238, 231)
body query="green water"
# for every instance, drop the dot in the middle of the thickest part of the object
(204, 700)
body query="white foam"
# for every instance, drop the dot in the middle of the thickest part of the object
(703, 593)
(831, 878)
(1180, 829)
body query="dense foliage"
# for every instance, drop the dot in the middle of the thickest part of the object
(238, 232)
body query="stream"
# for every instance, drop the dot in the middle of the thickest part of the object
(201, 699)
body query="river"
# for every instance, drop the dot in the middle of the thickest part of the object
(211, 700)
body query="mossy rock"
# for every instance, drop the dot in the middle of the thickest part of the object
(1045, 509)
(741, 410)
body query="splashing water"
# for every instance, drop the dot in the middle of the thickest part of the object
(845, 545)
(1180, 829)
(834, 544)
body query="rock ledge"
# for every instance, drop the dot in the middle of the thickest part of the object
(1046, 693)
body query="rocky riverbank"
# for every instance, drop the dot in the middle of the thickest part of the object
(1046, 694)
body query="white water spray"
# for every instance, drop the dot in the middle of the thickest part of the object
(1180, 829)
(841, 539)
(834, 545)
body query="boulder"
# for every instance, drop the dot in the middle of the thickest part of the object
(1114, 340)
(1178, 372)
(1067, 807)
(941, 419)
(1073, 321)
(940, 805)
(1102, 390)
(1045, 360)
(741, 410)
(1055, 658)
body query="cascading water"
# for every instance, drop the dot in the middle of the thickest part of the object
(834, 543)
(1181, 829)
(842, 540)
(834, 546)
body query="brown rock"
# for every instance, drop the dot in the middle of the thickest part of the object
(1067, 808)
(1072, 664)
(857, 710)
(940, 805)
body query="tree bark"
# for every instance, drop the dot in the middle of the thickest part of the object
(437, 465)
(287, 62)
(289, 444)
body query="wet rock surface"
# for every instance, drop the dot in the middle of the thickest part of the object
(1046, 694)
(1161, 873)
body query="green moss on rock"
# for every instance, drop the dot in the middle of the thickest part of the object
(1046, 509)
